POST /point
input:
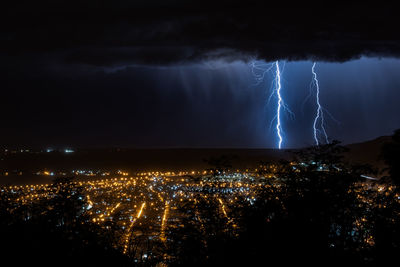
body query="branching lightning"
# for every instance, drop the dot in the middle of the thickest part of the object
(319, 121)
(259, 71)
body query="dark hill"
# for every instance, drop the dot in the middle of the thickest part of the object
(137, 160)
(368, 152)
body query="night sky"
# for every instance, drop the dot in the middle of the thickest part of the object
(169, 74)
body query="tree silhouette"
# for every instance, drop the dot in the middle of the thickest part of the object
(54, 231)
(391, 156)
(308, 212)
(219, 165)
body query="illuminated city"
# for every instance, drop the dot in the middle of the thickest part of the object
(143, 208)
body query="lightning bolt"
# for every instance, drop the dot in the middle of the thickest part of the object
(319, 117)
(278, 88)
(259, 71)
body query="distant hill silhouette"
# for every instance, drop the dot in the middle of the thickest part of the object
(368, 152)
(136, 160)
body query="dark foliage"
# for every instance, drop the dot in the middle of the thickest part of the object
(54, 232)
(391, 156)
(319, 212)
(219, 165)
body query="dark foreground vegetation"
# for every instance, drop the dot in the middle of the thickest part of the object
(318, 211)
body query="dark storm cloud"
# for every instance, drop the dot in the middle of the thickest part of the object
(117, 33)
(98, 72)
